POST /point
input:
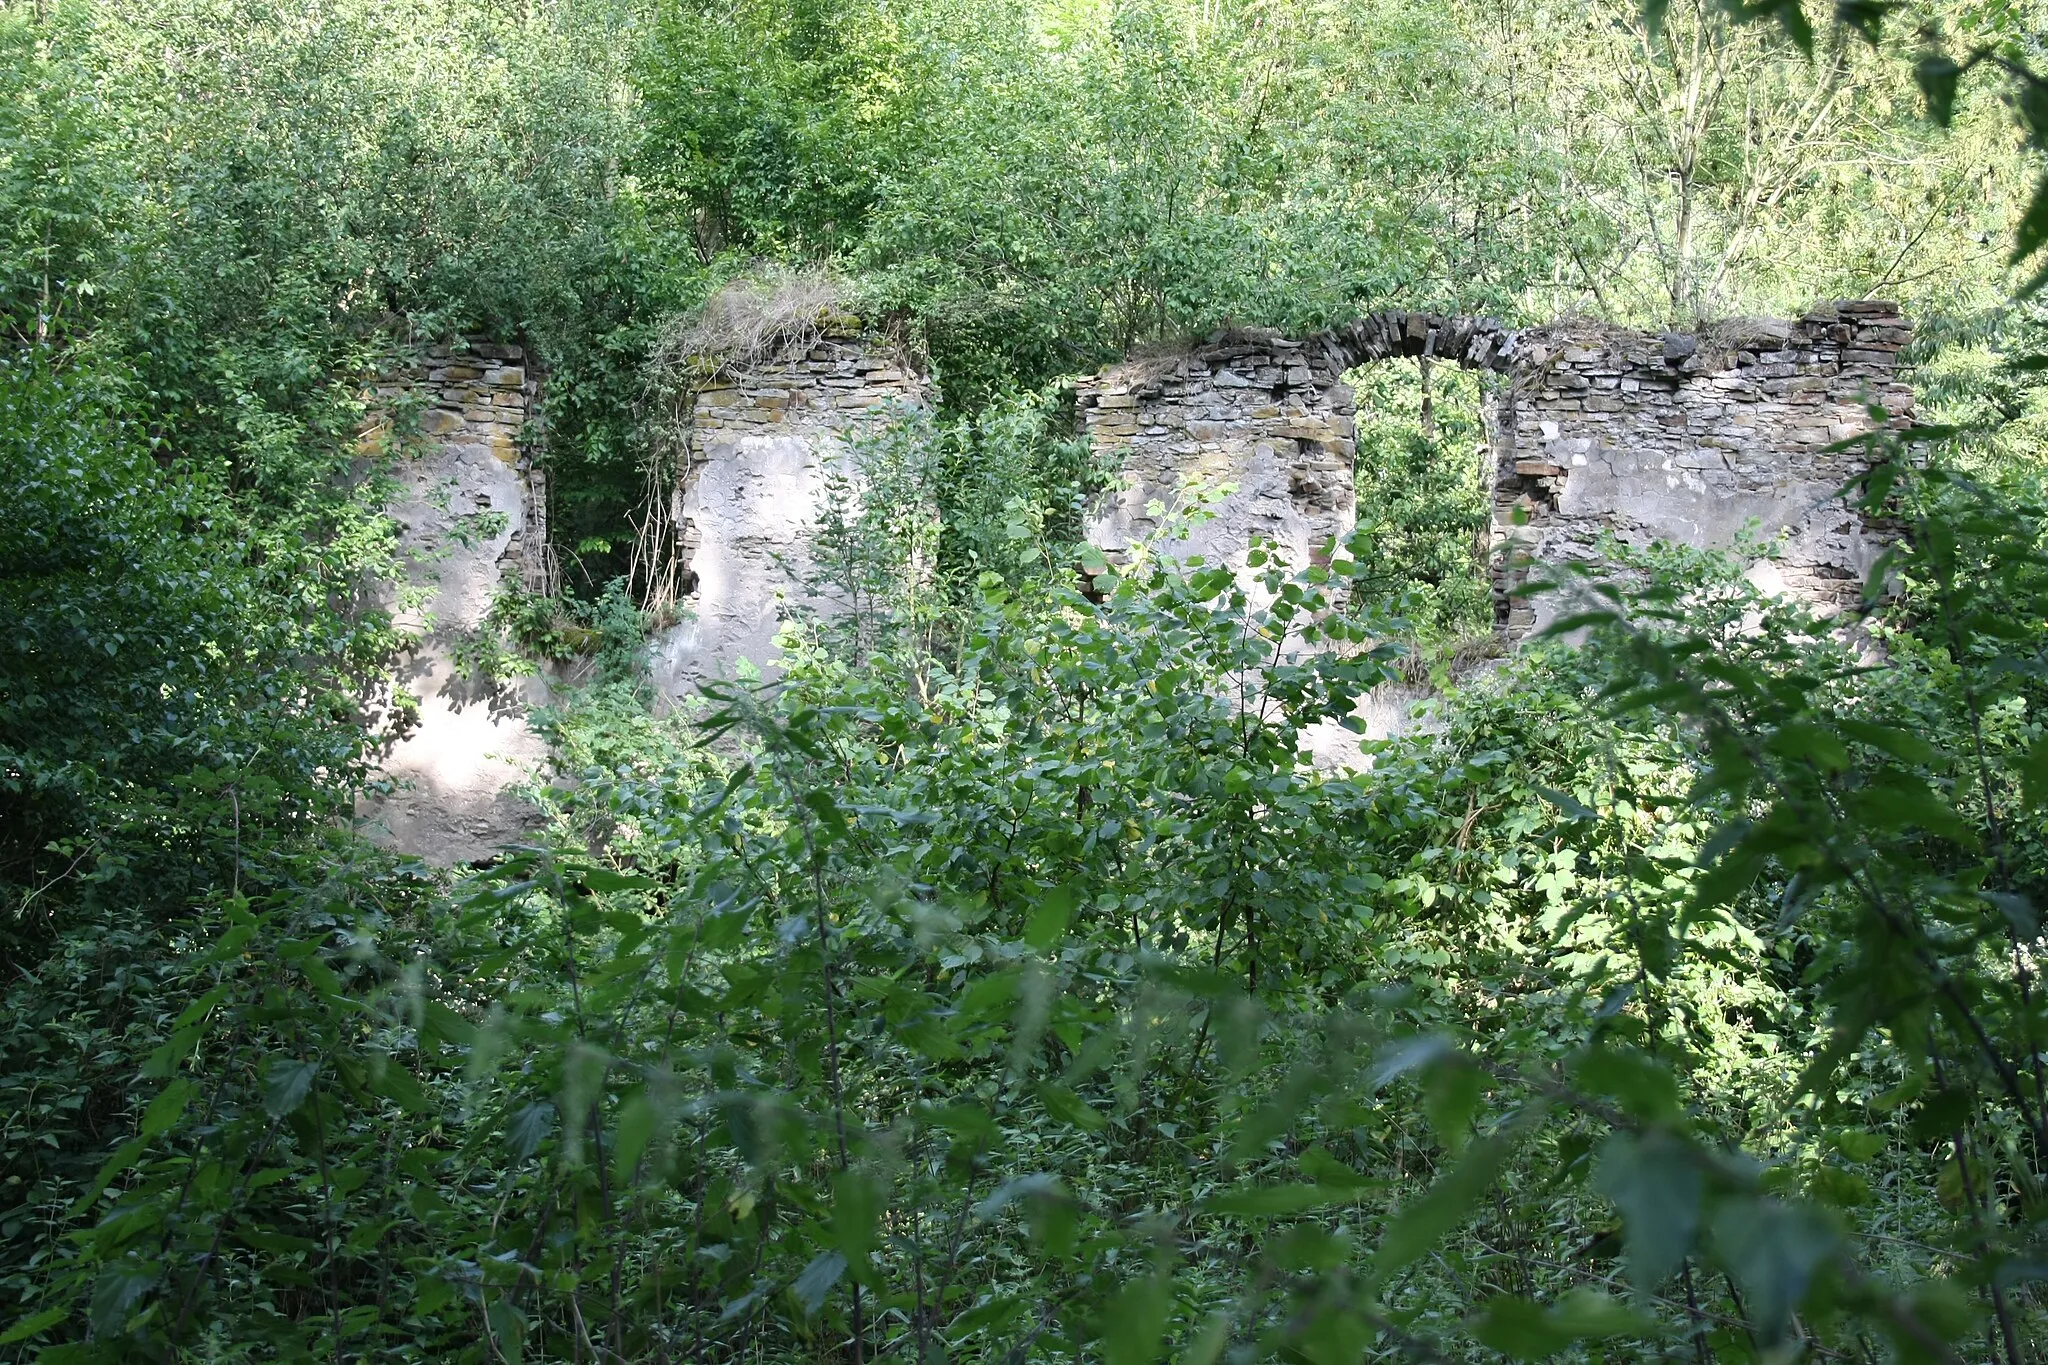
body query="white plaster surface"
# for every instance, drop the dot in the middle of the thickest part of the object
(763, 450)
(453, 775)
(755, 501)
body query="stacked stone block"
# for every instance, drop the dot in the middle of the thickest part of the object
(764, 439)
(1695, 439)
(479, 399)
(1250, 409)
(472, 514)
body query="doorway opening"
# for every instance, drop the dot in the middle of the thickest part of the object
(1425, 499)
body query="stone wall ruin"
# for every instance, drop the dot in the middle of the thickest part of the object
(762, 443)
(1593, 430)
(472, 512)
(1693, 439)
(1254, 410)
(1679, 437)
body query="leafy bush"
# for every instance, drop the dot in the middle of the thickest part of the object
(1005, 984)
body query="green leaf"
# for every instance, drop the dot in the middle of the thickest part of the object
(2017, 911)
(1408, 1055)
(31, 1325)
(1864, 16)
(167, 1108)
(1258, 1200)
(1772, 1249)
(199, 1008)
(816, 1281)
(2033, 226)
(113, 1166)
(121, 1286)
(604, 881)
(1426, 1218)
(1451, 1095)
(821, 804)
(1519, 1329)
(1526, 1331)
(2034, 775)
(1903, 745)
(634, 1129)
(1803, 740)
(1566, 802)
(507, 1329)
(1791, 16)
(1728, 877)
(1319, 1166)
(169, 1053)
(286, 1085)
(1064, 1105)
(1019, 1187)
(965, 1121)
(1895, 801)
(857, 1203)
(395, 1083)
(1640, 1084)
(1656, 1183)
(529, 1128)
(1937, 76)
(1048, 923)
(931, 1038)
(1134, 1321)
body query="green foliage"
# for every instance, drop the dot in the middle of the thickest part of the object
(928, 512)
(1037, 997)
(165, 682)
(1425, 502)
(1006, 982)
(1101, 179)
(773, 124)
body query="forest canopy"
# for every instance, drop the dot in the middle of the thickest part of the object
(999, 982)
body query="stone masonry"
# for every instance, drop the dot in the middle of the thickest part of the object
(1676, 437)
(472, 513)
(1692, 439)
(763, 441)
(1251, 409)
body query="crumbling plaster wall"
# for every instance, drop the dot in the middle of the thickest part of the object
(762, 444)
(1594, 429)
(1253, 410)
(1692, 439)
(472, 511)
(1680, 437)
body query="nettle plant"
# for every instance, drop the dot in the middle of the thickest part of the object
(1040, 1001)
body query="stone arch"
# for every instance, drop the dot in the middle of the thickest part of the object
(1468, 342)
(1674, 436)
(1262, 411)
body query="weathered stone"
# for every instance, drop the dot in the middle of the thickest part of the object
(760, 458)
(471, 510)
(1648, 437)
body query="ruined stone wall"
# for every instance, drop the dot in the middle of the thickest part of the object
(472, 512)
(1253, 409)
(1675, 437)
(1693, 439)
(761, 447)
